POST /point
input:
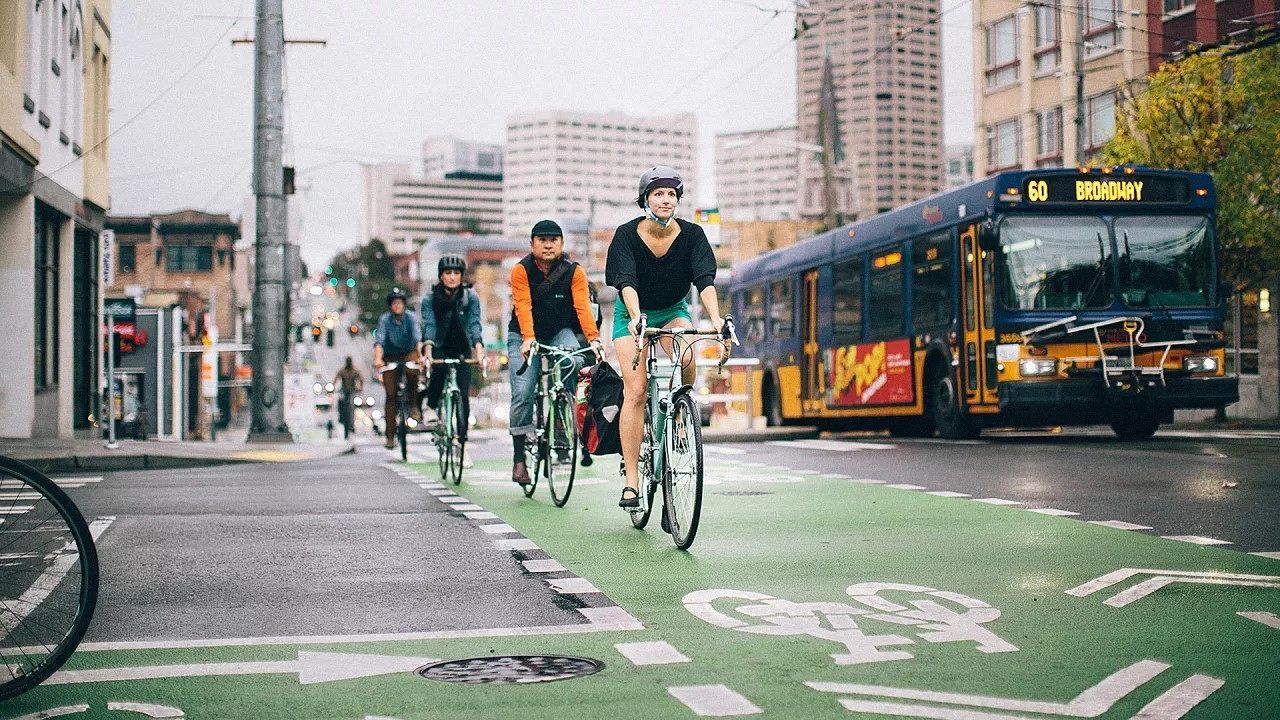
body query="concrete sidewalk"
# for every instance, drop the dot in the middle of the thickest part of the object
(84, 454)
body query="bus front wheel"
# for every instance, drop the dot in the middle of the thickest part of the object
(949, 417)
(1135, 425)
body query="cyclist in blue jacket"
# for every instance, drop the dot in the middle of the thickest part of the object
(451, 329)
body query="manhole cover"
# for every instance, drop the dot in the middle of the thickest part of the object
(511, 669)
(747, 493)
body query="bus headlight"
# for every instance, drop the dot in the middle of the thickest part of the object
(1034, 367)
(1200, 363)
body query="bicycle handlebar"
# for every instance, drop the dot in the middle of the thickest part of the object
(553, 350)
(726, 334)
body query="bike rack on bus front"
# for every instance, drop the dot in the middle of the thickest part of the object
(1133, 327)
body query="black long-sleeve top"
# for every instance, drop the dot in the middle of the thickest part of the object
(660, 281)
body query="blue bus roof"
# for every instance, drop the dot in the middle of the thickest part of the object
(970, 203)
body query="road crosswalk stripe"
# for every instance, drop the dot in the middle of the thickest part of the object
(1196, 539)
(1119, 525)
(714, 701)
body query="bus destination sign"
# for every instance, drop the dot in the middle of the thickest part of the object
(1071, 189)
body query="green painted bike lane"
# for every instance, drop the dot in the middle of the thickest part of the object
(809, 596)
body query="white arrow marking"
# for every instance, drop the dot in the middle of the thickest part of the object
(1266, 618)
(151, 711)
(1090, 703)
(311, 668)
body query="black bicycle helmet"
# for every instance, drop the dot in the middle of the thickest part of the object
(396, 294)
(451, 262)
(659, 176)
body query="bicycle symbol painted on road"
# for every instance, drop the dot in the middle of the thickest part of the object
(934, 616)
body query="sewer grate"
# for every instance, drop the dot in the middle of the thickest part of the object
(514, 669)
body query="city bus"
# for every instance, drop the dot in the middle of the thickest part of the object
(1031, 298)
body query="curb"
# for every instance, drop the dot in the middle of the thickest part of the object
(116, 463)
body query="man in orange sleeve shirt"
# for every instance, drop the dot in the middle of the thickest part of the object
(550, 304)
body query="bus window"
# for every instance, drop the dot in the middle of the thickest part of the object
(931, 283)
(888, 299)
(782, 312)
(846, 299)
(753, 315)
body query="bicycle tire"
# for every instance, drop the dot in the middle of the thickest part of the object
(562, 449)
(27, 670)
(682, 495)
(402, 434)
(533, 448)
(457, 446)
(644, 468)
(442, 440)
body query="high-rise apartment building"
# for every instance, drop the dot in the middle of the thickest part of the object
(447, 156)
(399, 206)
(574, 165)
(888, 90)
(1029, 111)
(756, 174)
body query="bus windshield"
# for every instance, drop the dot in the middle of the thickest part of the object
(1165, 261)
(1054, 262)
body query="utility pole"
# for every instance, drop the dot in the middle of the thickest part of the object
(1081, 22)
(267, 410)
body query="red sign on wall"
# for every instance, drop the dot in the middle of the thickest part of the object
(870, 374)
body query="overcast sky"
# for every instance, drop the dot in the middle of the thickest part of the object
(395, 73)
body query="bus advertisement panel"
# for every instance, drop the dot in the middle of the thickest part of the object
(876, 373)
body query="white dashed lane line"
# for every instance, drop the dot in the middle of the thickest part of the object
(1196, 539)
(714, 701)
(1271, 555)
(1053, 511)
(1119, 525)
(998, 501)
(651, 653)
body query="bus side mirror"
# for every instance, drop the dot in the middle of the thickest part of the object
(987, 238)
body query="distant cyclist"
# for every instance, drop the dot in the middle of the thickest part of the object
(451, 329)
(349, 382)
(652, 261)
(550, 303)
(396, 340)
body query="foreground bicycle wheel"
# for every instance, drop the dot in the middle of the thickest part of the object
(644, 468)
(402, 431)
(48, 579)
(534, 443)
(682, 479)
(562, 449)
(456, 445)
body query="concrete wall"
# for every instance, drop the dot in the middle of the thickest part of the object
(17, 292)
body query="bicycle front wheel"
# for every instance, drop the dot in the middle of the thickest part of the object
(534, 443)
(48, 580)
(456, 445)
(682, 477)
(563, 446)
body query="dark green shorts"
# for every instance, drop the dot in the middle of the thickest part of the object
(655, 318)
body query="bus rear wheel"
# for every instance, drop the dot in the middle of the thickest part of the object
(949, 417)
(1135, 425)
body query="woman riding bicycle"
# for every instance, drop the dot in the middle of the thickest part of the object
(652, 261)
(451, 330)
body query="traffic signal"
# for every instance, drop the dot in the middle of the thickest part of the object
(329, 337)
(315, 332)
(354, 329)
(351, 282)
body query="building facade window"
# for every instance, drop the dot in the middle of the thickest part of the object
(1004, 143)
(1100, 114)
(127, 258)
(1048, 49)
(1101, 26)
(46, 297)
(1173, 6)
(1002, 52)
(1049, 135)
(178, 258)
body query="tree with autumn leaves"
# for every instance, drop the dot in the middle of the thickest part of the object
(1216, 111)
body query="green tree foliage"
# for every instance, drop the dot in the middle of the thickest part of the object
(1217, 111)
(371, 267)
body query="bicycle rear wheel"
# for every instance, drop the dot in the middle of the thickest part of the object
(682, 477)
(562, 449)
(644, 468)
(48, 578)
(456, 445)
(534, 442)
